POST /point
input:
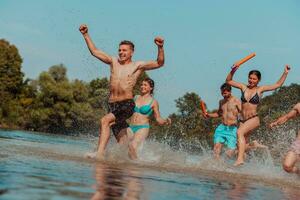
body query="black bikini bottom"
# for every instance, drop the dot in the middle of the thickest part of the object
(244, 120)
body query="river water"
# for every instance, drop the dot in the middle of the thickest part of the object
(47, 166)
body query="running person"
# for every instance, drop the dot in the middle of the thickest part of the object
(123, 77)
(145, 106)
(226, 132)
(251, 94)
(293, 155)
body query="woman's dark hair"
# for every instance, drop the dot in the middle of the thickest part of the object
(151, 83)
(255, 72)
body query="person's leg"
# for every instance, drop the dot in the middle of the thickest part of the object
(122, 136)
(104, 133)
(290, 162)
(254, 145)
(139, 138)
(218, 140)
(230, 153)
(217, 150)
(231, 141)
(130, 134)
(243, 130)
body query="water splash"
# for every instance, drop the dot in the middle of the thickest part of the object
(260, 163)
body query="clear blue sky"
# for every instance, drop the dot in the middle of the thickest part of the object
(202, 39)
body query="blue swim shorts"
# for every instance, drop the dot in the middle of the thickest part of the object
(226, 135)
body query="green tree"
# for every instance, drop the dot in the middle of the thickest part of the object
(11, 76)
(11, 81)
(54, 100)
(188, 125)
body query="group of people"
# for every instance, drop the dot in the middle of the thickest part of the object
(239, 117)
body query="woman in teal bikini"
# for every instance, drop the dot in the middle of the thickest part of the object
(145, 106)
(251, 94)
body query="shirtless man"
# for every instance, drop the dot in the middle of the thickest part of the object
(226, 133)
(293, 154)
(123, 77)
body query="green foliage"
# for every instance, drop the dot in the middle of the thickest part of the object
(62, 106)
(188, 123)
(11, 82)
(99, 93)
(11, 77)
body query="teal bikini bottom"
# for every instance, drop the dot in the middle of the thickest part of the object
(135, 128)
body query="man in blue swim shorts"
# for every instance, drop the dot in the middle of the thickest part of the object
(226, 132)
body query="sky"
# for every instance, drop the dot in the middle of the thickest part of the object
(202, 40)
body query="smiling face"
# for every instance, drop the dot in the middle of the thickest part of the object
(254, 77)
(146, 88)
(125, 53)
(253, 80)
(226, 93)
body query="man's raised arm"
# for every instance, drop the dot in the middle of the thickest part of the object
(160, 56)
(94, 51)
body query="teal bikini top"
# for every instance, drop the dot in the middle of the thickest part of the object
(144, 109)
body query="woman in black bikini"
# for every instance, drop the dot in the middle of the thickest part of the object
(250, 98)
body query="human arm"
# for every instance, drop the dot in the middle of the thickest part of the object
(212, 115)
(157, 116)
(281, 120)
(149, 65)
(230, 77)
(216, 114)
(92, 48)
(279, 83)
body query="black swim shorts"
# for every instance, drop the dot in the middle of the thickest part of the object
(122, 110)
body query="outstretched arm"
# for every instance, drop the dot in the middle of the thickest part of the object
(279, 83)
(232, 82)
(281, 120)
(94, 51)
(157, 116)
(160, 57)
(213, 114)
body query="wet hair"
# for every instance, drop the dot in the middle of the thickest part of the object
(225, 86)
(127, 42)
(255, 72)
(151, 83)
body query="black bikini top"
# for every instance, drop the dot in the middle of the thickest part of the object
(253, 100)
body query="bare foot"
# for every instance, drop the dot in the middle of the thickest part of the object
(90, 155)
(238, 163)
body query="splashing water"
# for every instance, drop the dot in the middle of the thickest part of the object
(55, 166)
